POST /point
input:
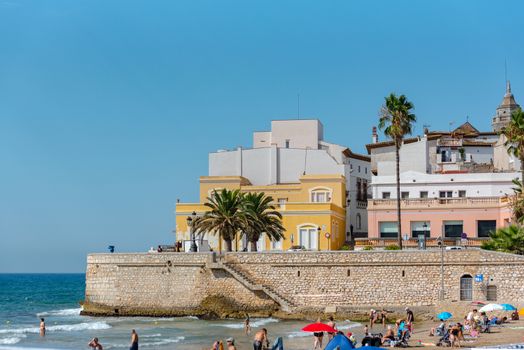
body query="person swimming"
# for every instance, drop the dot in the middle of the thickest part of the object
(42, 327)
(95, 344)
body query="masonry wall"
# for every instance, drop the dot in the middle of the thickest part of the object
(177, 283)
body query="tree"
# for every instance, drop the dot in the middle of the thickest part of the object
(225, 216)
(514, 133)
(517, 201)
(396, 119)
(507, 239)
(261, 218)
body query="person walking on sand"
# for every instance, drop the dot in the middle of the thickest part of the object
(95, 344)
(317, 344)
(260, 339)
(247, 326)
(332, 324)
(410, 318)
(134, 340)
(42, 327)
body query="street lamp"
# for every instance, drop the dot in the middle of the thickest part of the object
(440, 242)
(425, 226)
(318, 241)
(190, 222)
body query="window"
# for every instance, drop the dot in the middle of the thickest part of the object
(466, 288)
(308, 237)
(359, 189)
(364, 190)
(420, 228)
(359, 168)
(445, 194)
(321, 195)
(365, 170)
(282, 203)
(388, 229)
(484, 227)
(386, 195)
(453, 229)
(404, 195)
(287, 143)
(491, 293)
(423, 194)
(462, 193)
(359, 221)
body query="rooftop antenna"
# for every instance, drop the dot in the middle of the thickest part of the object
(467, 119)
(298, 106)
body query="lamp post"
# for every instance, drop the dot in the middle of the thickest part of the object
(425, 226)
(440, 242)
(318, 241)
(190, 222)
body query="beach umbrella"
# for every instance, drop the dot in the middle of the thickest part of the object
(319, 327)
(491, 307)
(508, 307)
(444, 316)
(521, 312)
(340, 342)
(477, 303)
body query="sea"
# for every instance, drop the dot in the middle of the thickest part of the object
(25, 298)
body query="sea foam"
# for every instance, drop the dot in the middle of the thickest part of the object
(57, 328)
(255, 323)
(62, 312)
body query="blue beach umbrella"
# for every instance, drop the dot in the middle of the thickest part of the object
(508, 307)
(444, 316)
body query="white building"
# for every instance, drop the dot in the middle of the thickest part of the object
(294, 148)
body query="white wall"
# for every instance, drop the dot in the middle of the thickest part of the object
(300, 133)
(475, 184)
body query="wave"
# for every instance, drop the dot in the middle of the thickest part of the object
(12, 340)
(349, 326)
(151, 335)
(299, 334)
(66, 328)
(163, 341)
(62, 312)
(254, 323)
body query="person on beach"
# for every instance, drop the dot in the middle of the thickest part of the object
(383, 317)
(332, 324)
(247, 326)
(410, 318)
(260, 339)
(372, 318)
(134, 340)
(470, 318)
(42, 327)
(317, 343)
(389, 335)
(230, 344)
(218, 345)
(440, 330)
(95, 344)
(366, 330)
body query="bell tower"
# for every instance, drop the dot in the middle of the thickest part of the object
(505, 109)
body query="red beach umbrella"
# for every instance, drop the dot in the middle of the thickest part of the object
(319, 327)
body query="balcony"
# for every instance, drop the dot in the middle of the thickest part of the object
(413, 242)
(436, 203)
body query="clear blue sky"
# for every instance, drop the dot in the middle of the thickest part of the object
(108, 109)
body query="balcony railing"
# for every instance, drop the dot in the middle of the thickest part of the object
(413, 242)
(421, 203)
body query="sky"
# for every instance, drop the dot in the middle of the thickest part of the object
(108, 109)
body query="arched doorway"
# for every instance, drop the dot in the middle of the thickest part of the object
(466, 288)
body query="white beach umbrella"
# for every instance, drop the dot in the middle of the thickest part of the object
(491, 307)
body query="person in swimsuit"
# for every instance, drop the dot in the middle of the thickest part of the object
(134, 340)
(372, 318)
(332, 324)
(42, 327)
(260, 339)
(317, 344)
(95, 344)
(247, 326)
(390, 335)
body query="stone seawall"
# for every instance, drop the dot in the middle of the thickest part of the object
(296, 282)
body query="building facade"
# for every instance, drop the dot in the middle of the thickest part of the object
(320, 187)
(451, 182)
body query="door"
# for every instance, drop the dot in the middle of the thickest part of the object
(466, 287)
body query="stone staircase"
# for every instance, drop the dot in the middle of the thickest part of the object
(285, 304)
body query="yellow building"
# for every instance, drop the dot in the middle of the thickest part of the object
(313, 211)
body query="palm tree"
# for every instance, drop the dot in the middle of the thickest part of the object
(507, 239)
(262, 218)
(517, 201)
(514, 133)
(397, 120)
(225, 216)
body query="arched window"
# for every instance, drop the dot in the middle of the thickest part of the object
(359, 221)
(466, 287)
(308, 236)
(320, 195)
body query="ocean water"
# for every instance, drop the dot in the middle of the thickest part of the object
(24, 298)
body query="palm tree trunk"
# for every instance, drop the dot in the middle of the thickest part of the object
(253, 245)
(522, 169)
(229, 245)
(399, 226)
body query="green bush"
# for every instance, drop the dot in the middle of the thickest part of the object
(392, 247)
(368, 247)
(344, 247)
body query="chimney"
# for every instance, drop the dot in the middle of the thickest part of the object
(375, 135)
